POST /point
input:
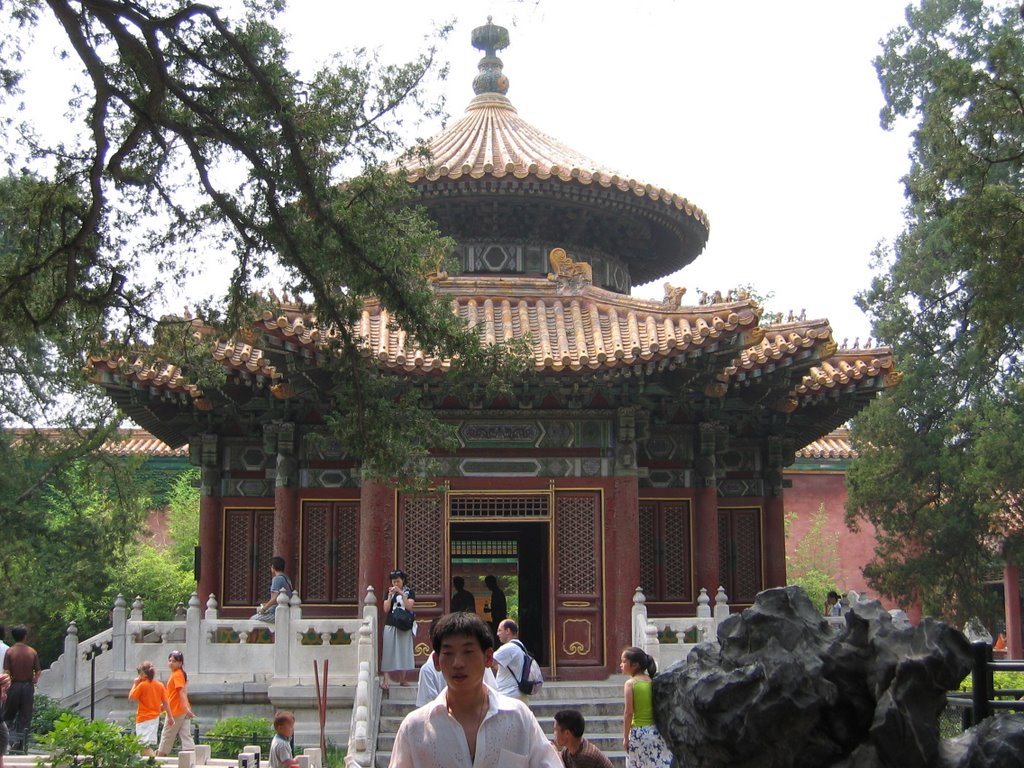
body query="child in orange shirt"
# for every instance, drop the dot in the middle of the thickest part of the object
(151, 698)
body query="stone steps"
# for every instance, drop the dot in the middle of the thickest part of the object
(600, 702)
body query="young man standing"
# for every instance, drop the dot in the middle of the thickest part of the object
(469, 725)
(21, 662)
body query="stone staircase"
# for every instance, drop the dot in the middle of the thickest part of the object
(600, 702)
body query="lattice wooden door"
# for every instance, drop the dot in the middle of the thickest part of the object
(666, 557)
(330, 553)
(578, 593)
(740, 553)
(248, 547)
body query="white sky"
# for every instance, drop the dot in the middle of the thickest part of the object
(763, 114)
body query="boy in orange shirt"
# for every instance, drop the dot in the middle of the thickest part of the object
(151, 698)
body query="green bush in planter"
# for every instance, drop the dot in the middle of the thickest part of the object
(227, 737)
(76, 742)
(45, 714)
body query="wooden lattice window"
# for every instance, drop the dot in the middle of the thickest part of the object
(577, 527)
(505, 507)
(330, 552)
(248, 547)
(666, 555)
(422, 543)
(740, 553)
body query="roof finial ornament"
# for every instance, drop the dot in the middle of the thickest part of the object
(490, 39)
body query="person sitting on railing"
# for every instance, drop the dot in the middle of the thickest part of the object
(279, 583)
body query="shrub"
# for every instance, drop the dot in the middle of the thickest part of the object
(1002, 680)
(75, 741)
(45, 714)
(227, 737)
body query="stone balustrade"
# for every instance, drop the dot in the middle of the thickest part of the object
(217, 649)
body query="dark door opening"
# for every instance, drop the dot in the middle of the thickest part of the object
(516, 554)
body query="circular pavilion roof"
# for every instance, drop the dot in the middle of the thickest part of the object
(492, 151)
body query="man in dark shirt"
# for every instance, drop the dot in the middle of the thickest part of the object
(463, 599)
(498, 607)
(21, 662)
(575, 751)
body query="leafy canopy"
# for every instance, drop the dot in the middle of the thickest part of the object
(941, 468)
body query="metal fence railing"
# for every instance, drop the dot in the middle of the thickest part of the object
(985, 699)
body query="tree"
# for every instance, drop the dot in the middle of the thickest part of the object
(940, 462)
(85, 524)
(189, 137)
(815, 559)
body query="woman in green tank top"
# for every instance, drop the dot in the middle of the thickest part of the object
(640, 738)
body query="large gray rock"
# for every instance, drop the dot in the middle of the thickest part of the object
(779, 690)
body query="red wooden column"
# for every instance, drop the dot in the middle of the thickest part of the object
(705, 539)
(376, 537)
(1011, 601)
(281, 439)
(210, 523)
(622, 565)
(774, 542)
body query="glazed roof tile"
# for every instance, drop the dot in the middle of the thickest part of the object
(835, 445)
(492, 140)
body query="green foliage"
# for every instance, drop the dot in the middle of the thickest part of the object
(75, 741)
(941, 468)
(335, 757)
(83, 525)
(227, 737)
(154, 575)
(45, 713)
(1002, 681)
(183, 519)
(815, 559)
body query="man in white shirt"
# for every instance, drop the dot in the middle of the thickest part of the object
(431, 682)
(469, 725)
(508, 660)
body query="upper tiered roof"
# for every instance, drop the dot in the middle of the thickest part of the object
(548, 192)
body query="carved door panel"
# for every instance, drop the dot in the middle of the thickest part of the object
(578, 598)
(248, 547)
(330, 553)
(666, 557)
(421, 555)
(740, 553)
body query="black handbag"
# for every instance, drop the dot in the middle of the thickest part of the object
(402, 618)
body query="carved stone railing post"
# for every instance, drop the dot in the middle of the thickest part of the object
(721, 605)
(119, 635)
(70, 660)
(193, 632)
(639, 618)
(651, 644)
(137, 606)
(283, 639)
(703, 604)
(211, 608)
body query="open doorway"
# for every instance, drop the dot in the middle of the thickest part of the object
(516, 554)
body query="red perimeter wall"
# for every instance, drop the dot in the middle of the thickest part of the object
(809, 490)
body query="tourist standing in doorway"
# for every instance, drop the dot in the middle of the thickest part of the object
(181, 709)
(498, 608)
(21, 662)
(462, 599)
(640, 738)
(397, 655)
